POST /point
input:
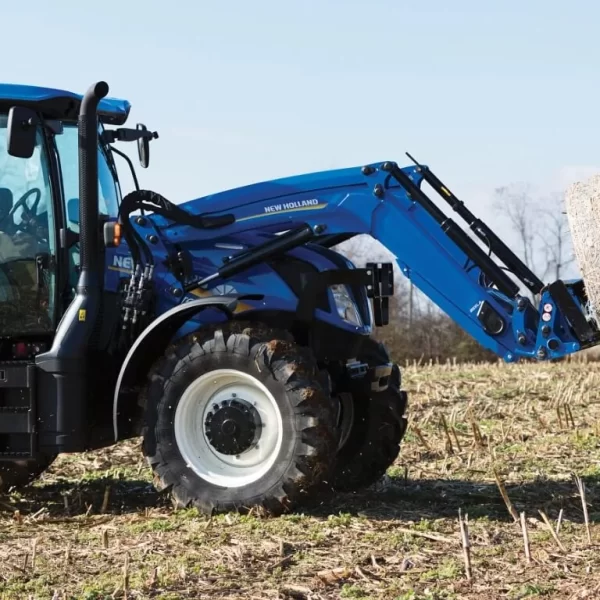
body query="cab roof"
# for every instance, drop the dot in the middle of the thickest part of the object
(60, 104)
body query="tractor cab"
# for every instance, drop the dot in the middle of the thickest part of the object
(40, 202)
(58, 188)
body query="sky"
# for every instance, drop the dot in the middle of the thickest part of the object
(486, 93)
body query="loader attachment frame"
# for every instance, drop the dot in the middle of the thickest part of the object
(448, 265)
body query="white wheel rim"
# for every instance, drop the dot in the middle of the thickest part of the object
(198, 400)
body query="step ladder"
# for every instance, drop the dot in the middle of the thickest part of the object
(18, 437)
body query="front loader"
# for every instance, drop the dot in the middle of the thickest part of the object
(227, 331)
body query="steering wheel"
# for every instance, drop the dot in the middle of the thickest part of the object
(28, 222)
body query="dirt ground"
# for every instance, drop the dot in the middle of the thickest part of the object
(93, 527)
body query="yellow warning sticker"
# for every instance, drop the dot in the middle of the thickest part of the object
(82, 314)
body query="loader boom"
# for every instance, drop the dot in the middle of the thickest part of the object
(434, 252)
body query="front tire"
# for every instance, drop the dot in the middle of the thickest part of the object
(373, 442)
(237, 420)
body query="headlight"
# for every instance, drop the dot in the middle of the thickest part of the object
(346, 307)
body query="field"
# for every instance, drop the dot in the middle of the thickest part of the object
(92, 527)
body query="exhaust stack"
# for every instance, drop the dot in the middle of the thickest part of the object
(64, 373)
(89, 278)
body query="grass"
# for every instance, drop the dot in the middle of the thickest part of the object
(93, 527)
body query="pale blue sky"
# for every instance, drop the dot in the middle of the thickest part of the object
(485, 92)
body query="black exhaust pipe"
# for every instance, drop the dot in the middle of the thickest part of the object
(64, 373)
(89, 278)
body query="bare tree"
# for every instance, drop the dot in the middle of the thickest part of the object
(517, 204)
(555, 237)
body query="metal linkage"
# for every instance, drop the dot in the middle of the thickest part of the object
(482, 231)
(474, 252)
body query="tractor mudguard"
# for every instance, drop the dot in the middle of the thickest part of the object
(157, 336)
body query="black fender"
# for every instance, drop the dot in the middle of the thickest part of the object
(164, 328)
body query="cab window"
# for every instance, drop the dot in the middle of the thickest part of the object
(108, 199)
(27, 240)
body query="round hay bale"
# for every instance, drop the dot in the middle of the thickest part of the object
(583, 212)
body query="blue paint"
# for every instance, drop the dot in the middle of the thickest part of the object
(111, 110)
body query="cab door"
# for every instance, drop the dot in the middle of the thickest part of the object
(28, 257)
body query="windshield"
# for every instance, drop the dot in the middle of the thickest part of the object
(26, 239)
(108, 200)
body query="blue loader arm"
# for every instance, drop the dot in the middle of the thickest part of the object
(434, 252)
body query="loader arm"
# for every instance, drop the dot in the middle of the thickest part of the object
(433, 251)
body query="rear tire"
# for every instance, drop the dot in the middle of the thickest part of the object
(373, 443)
(236, 420)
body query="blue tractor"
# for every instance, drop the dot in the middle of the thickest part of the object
(226, 331)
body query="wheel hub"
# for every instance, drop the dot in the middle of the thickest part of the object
(232, 426)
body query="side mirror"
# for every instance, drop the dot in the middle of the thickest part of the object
(73, 211)
(22, 123)
(143, 146)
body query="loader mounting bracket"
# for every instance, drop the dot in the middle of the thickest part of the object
(380, 289)
(378, 278)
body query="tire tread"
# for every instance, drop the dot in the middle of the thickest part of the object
(272, 351)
